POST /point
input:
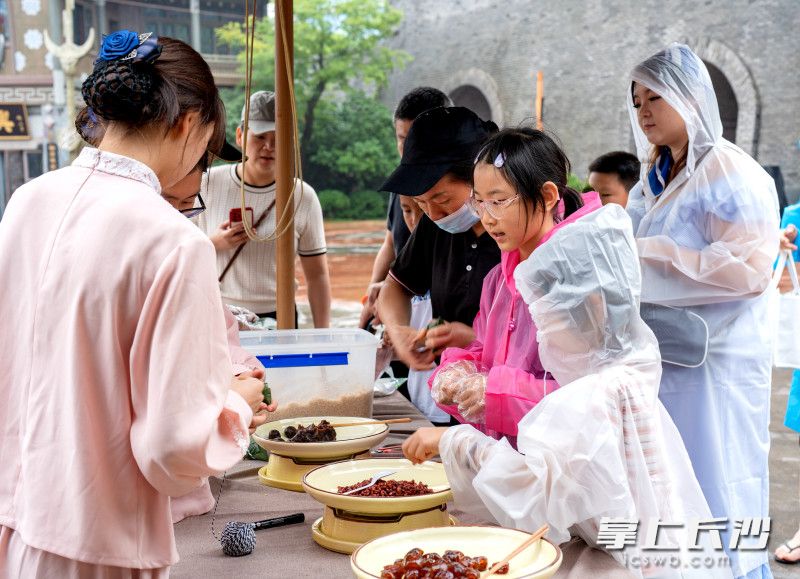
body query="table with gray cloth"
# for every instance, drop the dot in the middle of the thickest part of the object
(290, 551)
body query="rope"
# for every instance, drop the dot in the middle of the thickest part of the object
(216, 504)
(237, 539)
(286, 221)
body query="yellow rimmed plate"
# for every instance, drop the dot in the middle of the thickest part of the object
(322, 483)
(350, 440)
(539, 561)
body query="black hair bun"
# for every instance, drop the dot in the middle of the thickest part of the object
(121, 90)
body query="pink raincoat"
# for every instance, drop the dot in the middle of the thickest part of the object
(506, 345)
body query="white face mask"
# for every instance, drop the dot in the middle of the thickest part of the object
(459, 221)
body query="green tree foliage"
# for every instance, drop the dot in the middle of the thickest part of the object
(353, 147)
(340, 63)
(577, 183)
(335, 204)
(358, 205)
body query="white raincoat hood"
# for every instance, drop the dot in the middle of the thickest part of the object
(582, 287)
(679, 76)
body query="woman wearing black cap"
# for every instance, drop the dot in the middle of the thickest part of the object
(449, 253)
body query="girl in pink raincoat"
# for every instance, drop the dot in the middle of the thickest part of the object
(520, 192)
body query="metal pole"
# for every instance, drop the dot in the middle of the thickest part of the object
(194, 9)
(102, 18)
(284, 159)
(539, 99)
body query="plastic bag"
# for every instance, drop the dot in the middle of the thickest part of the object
(786, 345)
(388, 385)
(682, 335)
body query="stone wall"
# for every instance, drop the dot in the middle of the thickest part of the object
(586, 50)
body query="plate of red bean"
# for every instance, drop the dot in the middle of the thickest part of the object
(453, 553)
(411, 488)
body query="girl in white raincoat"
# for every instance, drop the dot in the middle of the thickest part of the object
(602, 445)
(705, 216)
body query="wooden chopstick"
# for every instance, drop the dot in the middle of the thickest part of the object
(391, 421)
(531, 540)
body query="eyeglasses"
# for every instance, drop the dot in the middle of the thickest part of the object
(194, 211)
(495, 209)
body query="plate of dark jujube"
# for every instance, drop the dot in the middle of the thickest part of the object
(313, 437)
(454, 553)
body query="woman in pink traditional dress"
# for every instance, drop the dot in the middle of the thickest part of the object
(116, 375)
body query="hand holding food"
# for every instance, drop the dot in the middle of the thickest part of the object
(369, 311)
(250, 386)
(404, 342)
(449, 335)
(423, 444)
(422, 335)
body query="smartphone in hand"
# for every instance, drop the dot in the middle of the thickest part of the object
(236, 215)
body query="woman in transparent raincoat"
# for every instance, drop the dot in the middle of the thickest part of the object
(705, 216)
(602, 445)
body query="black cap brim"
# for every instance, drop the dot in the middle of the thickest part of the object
(414, 180)
(229, 153)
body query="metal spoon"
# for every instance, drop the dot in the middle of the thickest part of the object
(378, 476)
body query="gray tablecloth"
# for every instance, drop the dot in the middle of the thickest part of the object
(290, 551)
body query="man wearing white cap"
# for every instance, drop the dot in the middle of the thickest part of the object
(248, 277)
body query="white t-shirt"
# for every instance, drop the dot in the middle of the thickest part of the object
(251, 281)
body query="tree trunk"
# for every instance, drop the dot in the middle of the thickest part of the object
(308, 126)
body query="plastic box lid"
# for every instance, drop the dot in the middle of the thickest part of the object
(297, 348)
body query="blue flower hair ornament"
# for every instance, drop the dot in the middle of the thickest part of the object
(127, 45)
(122, 86)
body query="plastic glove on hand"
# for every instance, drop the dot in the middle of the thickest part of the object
(471, 397)
(446, 383)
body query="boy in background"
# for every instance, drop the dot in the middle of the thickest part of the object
(613, 175)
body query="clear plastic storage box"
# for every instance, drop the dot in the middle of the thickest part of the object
(326, 372)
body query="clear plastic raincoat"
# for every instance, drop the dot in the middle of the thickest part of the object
(706, 245)
(602, 445)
